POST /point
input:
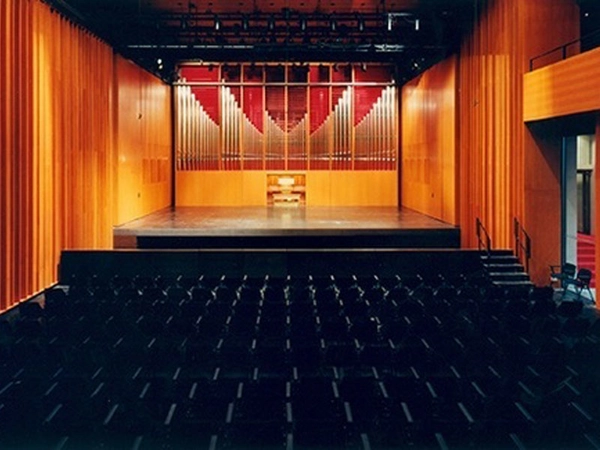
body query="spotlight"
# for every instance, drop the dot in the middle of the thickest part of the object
(217, 23)
(417, 25)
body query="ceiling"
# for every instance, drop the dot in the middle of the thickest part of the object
(158, 34)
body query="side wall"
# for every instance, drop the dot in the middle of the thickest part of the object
(496, 158)
(58, 152)
(143, 123)
(429, 166)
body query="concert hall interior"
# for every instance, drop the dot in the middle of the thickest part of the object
(312, 224)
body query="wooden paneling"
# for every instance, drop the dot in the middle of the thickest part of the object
(143, 142)
(58, 156)
(210, 188)
(429, 166)
(566, 87)
(57, 148)
(323, 188)
(542, 196)
(491, 138)
(492, 145)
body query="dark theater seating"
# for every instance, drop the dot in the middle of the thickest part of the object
(423, 362)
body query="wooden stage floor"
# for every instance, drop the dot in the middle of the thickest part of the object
(281, 227)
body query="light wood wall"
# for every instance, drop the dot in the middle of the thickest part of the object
(58, 151)
(57, 145)
(143, 142)
(429, 165)
(566, 87)
(323, 188)
(492, 136)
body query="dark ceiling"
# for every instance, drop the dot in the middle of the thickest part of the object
(157, 34)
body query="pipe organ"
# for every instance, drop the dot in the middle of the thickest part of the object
(286, 117)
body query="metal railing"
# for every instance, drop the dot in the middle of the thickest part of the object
(522, 244)
(572, 48)
(483, 237)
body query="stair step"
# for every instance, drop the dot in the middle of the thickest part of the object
(500, 259)
(504, 267)
(509, 276)
(514, 283)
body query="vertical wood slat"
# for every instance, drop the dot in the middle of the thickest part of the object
(57, 144)
(492, 141)
(491, 67)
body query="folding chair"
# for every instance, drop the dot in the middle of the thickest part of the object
(580, 284)
(562, 274)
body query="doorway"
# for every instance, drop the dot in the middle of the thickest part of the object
(578, 211)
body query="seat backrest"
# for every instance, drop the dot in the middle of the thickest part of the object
(569, 270)
(584, 276)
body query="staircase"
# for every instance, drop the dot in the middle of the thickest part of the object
(586, 255)
(505, 270)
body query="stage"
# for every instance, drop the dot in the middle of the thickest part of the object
(285, 227)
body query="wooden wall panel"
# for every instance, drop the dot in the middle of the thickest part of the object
(323, 188)
(492, 146)
(429, 168)
(143, 142)
(542, 196)
(566, 87)
(57, 144)
(491, 142)
(56, 154)
(211, 188)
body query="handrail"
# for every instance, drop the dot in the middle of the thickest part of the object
(563, 48)
(522, 244)
(483, 237)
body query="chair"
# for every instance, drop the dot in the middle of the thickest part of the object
(562, 274)
(580, 284)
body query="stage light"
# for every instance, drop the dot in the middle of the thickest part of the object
(217, 23)
(417, 25)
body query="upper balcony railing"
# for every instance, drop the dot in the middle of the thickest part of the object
(584, 44)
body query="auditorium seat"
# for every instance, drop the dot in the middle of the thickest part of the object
(327, 362)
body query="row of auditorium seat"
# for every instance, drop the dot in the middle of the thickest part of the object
(363, 363)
